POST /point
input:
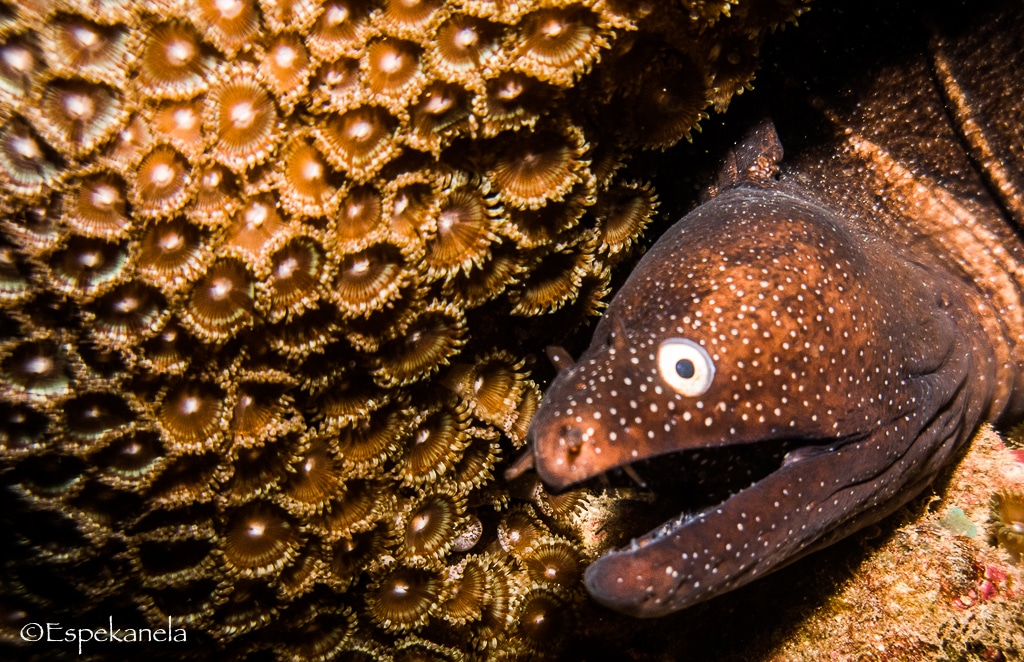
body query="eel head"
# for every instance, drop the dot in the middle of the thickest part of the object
(777, 378)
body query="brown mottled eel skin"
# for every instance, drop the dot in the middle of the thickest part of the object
(806, 350)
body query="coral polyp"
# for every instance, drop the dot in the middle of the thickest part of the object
(190, 415)
(243, 119)
(529, 173)
(76, 116)
(258, 539)
(559, 44)
(258, 260)
(221, 302)
(426, 527)
(392, 68)
(174, 62)
(464, 233)
(1008, 522)
(360, 141)
(402, 599)
(163, 182)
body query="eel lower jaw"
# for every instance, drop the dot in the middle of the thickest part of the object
(698, 510)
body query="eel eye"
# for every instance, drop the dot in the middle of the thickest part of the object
(685, 366)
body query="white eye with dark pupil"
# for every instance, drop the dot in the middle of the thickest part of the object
(685, 366)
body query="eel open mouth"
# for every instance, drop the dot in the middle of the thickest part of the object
(682, 484)
(718, 518)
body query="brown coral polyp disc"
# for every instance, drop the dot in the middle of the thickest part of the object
(355, 511)
(173, 64)
(257, 471)
(476, 467)
(341, 28)
(409, 17)
(543, 622)
(554, 282)
(77, 116)
(129, 457)
(188, 479)
(130, 143)
(529, 172)
(671, 102)
(464, 47)
(528, 405)
(464, 234)
(337, 83)
(553, 562)
(260, 412)
(520, 530)
(470, 592)
(403, 599)
(427, 528)
(170, 351)
(1007, 514)
(172, 253)
(15, 273)
(441, 111)
(217, 197)
(622, 213)
(437, 442)
(349, 556)
(325, 636)
(349, 398)
(91, 416)
(497, 382)
(315, 478)
(27, 163)
(393, 68)
(368, 444)
(172, 562)
(228, 23)
(410, 206)
(360, 218)
(257, 225)
(432, 339)
(37, 367)
(222, 300)
(191, 414)
(285, 66)
(244, 122)
(259, 538)
(87, 266)
(359, 141)
(19, 64)
(128, 314)
(22, 429)
(559, 44)
(513, 100)
(296, 272)
(162, 182)
(89, 49)
(369, 279)
(97, 207)
(181, 122)
(308, 185)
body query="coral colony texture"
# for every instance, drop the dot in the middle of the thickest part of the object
(273, 278)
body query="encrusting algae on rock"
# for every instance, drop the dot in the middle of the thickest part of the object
(256, 263)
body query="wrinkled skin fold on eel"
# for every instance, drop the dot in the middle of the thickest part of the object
(805, 351)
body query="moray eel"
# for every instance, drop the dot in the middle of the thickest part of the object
(807, 349)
